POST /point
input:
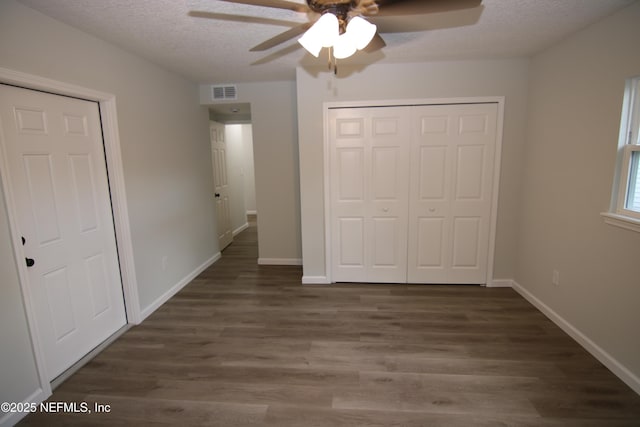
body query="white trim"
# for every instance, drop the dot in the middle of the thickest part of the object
(621, 221)
(16, 243)
(252, 212)
(108, 116)
(326, 144)
(500, 283)
(495, 189)
(178, 286)
(279, 261)
(315, 280)
(240, 229)
(12, 418)
(413, 102)
(596, 351)
(499, 100)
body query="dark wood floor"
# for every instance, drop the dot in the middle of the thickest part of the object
(249, 345)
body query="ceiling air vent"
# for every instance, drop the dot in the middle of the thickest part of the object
(224, 92)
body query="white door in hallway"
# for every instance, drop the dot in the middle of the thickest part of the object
(452, 168)
(58, 182)
(221, 184)
(370, 189)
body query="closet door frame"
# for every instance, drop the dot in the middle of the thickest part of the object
(499, 100)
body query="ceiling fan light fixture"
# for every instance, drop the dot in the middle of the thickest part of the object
(326, 33)
(323, 33)
(344, 47)
(312, 44)
(361, 31)
(328, 29)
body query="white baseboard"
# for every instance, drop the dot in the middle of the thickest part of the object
(596, 351)
(279, 261)
(240, 229)
(176, 288)
(315, 280)
(500, 283)
(12, 418)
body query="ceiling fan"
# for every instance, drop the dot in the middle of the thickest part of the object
(343, 26)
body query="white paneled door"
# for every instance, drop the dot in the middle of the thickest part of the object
(58, 182)
(369, 187)
(452, 165)
(221, 184)
(411, 192)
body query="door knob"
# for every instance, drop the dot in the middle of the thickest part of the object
(217, 195)
(29, 261)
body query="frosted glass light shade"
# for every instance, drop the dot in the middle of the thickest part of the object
(328, 28)
(312, 44)
(322, 34)
(362, 31)
(344, 47)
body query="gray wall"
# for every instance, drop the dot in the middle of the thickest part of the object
(275, 149)
(166, 157)
(506, 78)
(576, 91)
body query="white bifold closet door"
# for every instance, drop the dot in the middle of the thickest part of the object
(411, 193)
(370, 193)
(452, 165)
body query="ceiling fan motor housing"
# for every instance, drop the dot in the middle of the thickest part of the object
(339, 8)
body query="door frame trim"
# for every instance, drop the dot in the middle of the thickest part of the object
(326, 106)
(113, 157)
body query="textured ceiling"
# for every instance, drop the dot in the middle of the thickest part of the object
(210, 50)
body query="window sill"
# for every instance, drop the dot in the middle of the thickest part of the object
(621, 221)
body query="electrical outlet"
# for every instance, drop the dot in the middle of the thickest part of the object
(164, 263)
(555, 278)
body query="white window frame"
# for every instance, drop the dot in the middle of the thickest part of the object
(629, 143)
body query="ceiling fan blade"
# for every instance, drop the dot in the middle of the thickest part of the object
(375, 44)
(277, 54)
(241, 18)
(282, 37)
(278, 4)
(419, 7)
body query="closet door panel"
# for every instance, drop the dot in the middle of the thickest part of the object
(452, 150)
(369, 162)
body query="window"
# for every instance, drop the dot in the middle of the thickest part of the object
(625, 206)
(632, 202)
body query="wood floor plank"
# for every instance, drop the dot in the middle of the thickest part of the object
(290, 416)
(248, 345)
(142, 411)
